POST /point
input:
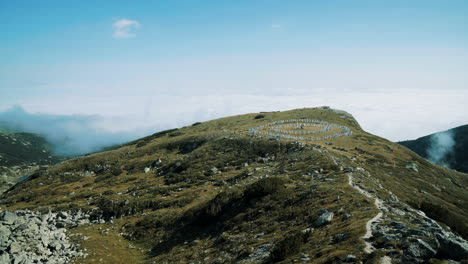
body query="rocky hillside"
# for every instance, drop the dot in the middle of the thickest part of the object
(302, 186)
(456, 158)
(21, 154)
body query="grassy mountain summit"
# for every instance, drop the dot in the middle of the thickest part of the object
(455, 158)
(306, 185)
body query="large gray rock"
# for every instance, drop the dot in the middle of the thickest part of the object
(412, 166)
(421, 250)
(452, 248)
(45, 240)
(398, 225)
(324, 219)
(21, 258)
(8, 218)
(5, 258)
(4, 235)
(260, 255)
(340, 237)
(350, 258)
(62, 215)
(15, 247)
(55, 245)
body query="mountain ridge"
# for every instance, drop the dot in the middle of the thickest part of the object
(219, 192)
(456, 158)
(21, 154)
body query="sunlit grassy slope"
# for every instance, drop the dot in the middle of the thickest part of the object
(210, 191)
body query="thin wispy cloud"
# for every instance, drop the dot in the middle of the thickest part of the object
(276, 26)
(123, 28)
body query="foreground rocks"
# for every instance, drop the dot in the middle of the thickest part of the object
(404, 234)
(425, 239)
(31, 237)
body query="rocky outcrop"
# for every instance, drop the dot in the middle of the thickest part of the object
(260, 255)
(421, 250)
(31, 237)
(420, 237)
(452, 247)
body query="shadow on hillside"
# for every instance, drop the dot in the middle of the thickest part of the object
(211, 219)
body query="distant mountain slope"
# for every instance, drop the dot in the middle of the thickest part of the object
(22, 153)
(25, 148)
(300, 186)
(456, 159)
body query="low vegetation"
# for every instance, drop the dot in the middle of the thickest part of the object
(212, 193)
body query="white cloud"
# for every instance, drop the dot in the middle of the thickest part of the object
(276, 26)
(398, 115)
(123, 28)
(390, 96)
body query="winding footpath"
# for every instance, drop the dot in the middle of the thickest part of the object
(378, 203)
(369, 248)
(417, 249)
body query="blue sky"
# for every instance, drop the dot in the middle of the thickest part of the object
(157, 64)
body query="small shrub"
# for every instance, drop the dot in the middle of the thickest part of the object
(265, 187)
(175, 134)
(196, 124)
(103, 178)
(289, 245)
(259, 116)
(130, 179)
(116, 171)
(108, 208)
(186, 145)
(226, 202)
(144, 141)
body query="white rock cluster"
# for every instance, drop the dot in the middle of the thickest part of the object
(275, 129)
(30, 237)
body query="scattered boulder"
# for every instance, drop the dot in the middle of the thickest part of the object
(350, 258)
(15, 247)
(412, 166)
(305, 257)
(8, 218)
(260, 255)
(62, 215)
(340, 237)
(398, 225)
(156, 163)
(5, 258)
(4, 235)
(324, 218)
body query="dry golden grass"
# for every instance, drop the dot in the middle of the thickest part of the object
(106, 246)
